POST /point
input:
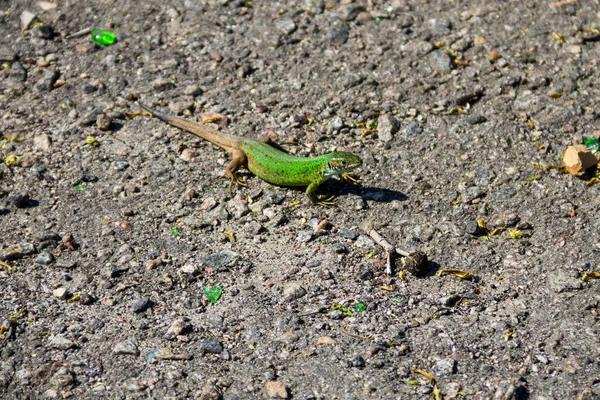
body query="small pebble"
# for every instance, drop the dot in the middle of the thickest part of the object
(44, 258)
(27, 19)
(60, 293)
(140, 305)
(275, 390)
(293, 291)
(126, 347)
(211, 346)
(61, 343)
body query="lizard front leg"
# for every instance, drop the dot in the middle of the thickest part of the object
(238, 161)
(316, 199)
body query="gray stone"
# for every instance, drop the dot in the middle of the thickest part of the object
(336, 124)
(440, 61)
(126, 347)
(340, 32)
(286, 26)
(61, 343)
(387, 126)
(44, 258)
(121, 165)
(445, 367)
(46, 83)
(293, 291)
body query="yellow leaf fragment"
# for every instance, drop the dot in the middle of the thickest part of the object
(230, 235)
(456, 200)
(496, 231)
(546, 167)
(558, 37)
(516, 234)
(18, 315)
(592, 182)
(590, 275)
(8, 267)
(75, 297)
(425, 374)
(481, 224)
(14, 139)
(456, 110)
(455, 272)
(12, 159)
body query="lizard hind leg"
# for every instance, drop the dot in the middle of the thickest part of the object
(238, 161)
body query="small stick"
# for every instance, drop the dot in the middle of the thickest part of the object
(80, 33)
(380, 240)
(557, 4)
(415, 262)
(389, 268)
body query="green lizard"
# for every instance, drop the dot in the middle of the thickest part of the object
(269, 163)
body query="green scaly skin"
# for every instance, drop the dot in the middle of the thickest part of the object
(269, 163)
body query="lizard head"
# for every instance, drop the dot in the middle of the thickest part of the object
(340, 163)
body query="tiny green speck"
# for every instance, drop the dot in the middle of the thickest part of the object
(80, 186)
(175, 232)
(359, 307)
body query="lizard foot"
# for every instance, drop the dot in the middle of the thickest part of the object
(233, 177)
(325, 201)
(350, 177)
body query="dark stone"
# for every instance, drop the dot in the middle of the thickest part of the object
(211, 346)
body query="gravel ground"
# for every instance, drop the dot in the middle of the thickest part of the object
(115, 228)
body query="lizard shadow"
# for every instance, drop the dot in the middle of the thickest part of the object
(373, 193)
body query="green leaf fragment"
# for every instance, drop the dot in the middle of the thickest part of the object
(80, 186)
(213, 293)
(344, 310)
(360, 307)
(175, 232)
(102, 37)
(372, 125)
(592, 144)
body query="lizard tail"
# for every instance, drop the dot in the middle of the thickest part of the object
(222, 140)
(157, 114)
